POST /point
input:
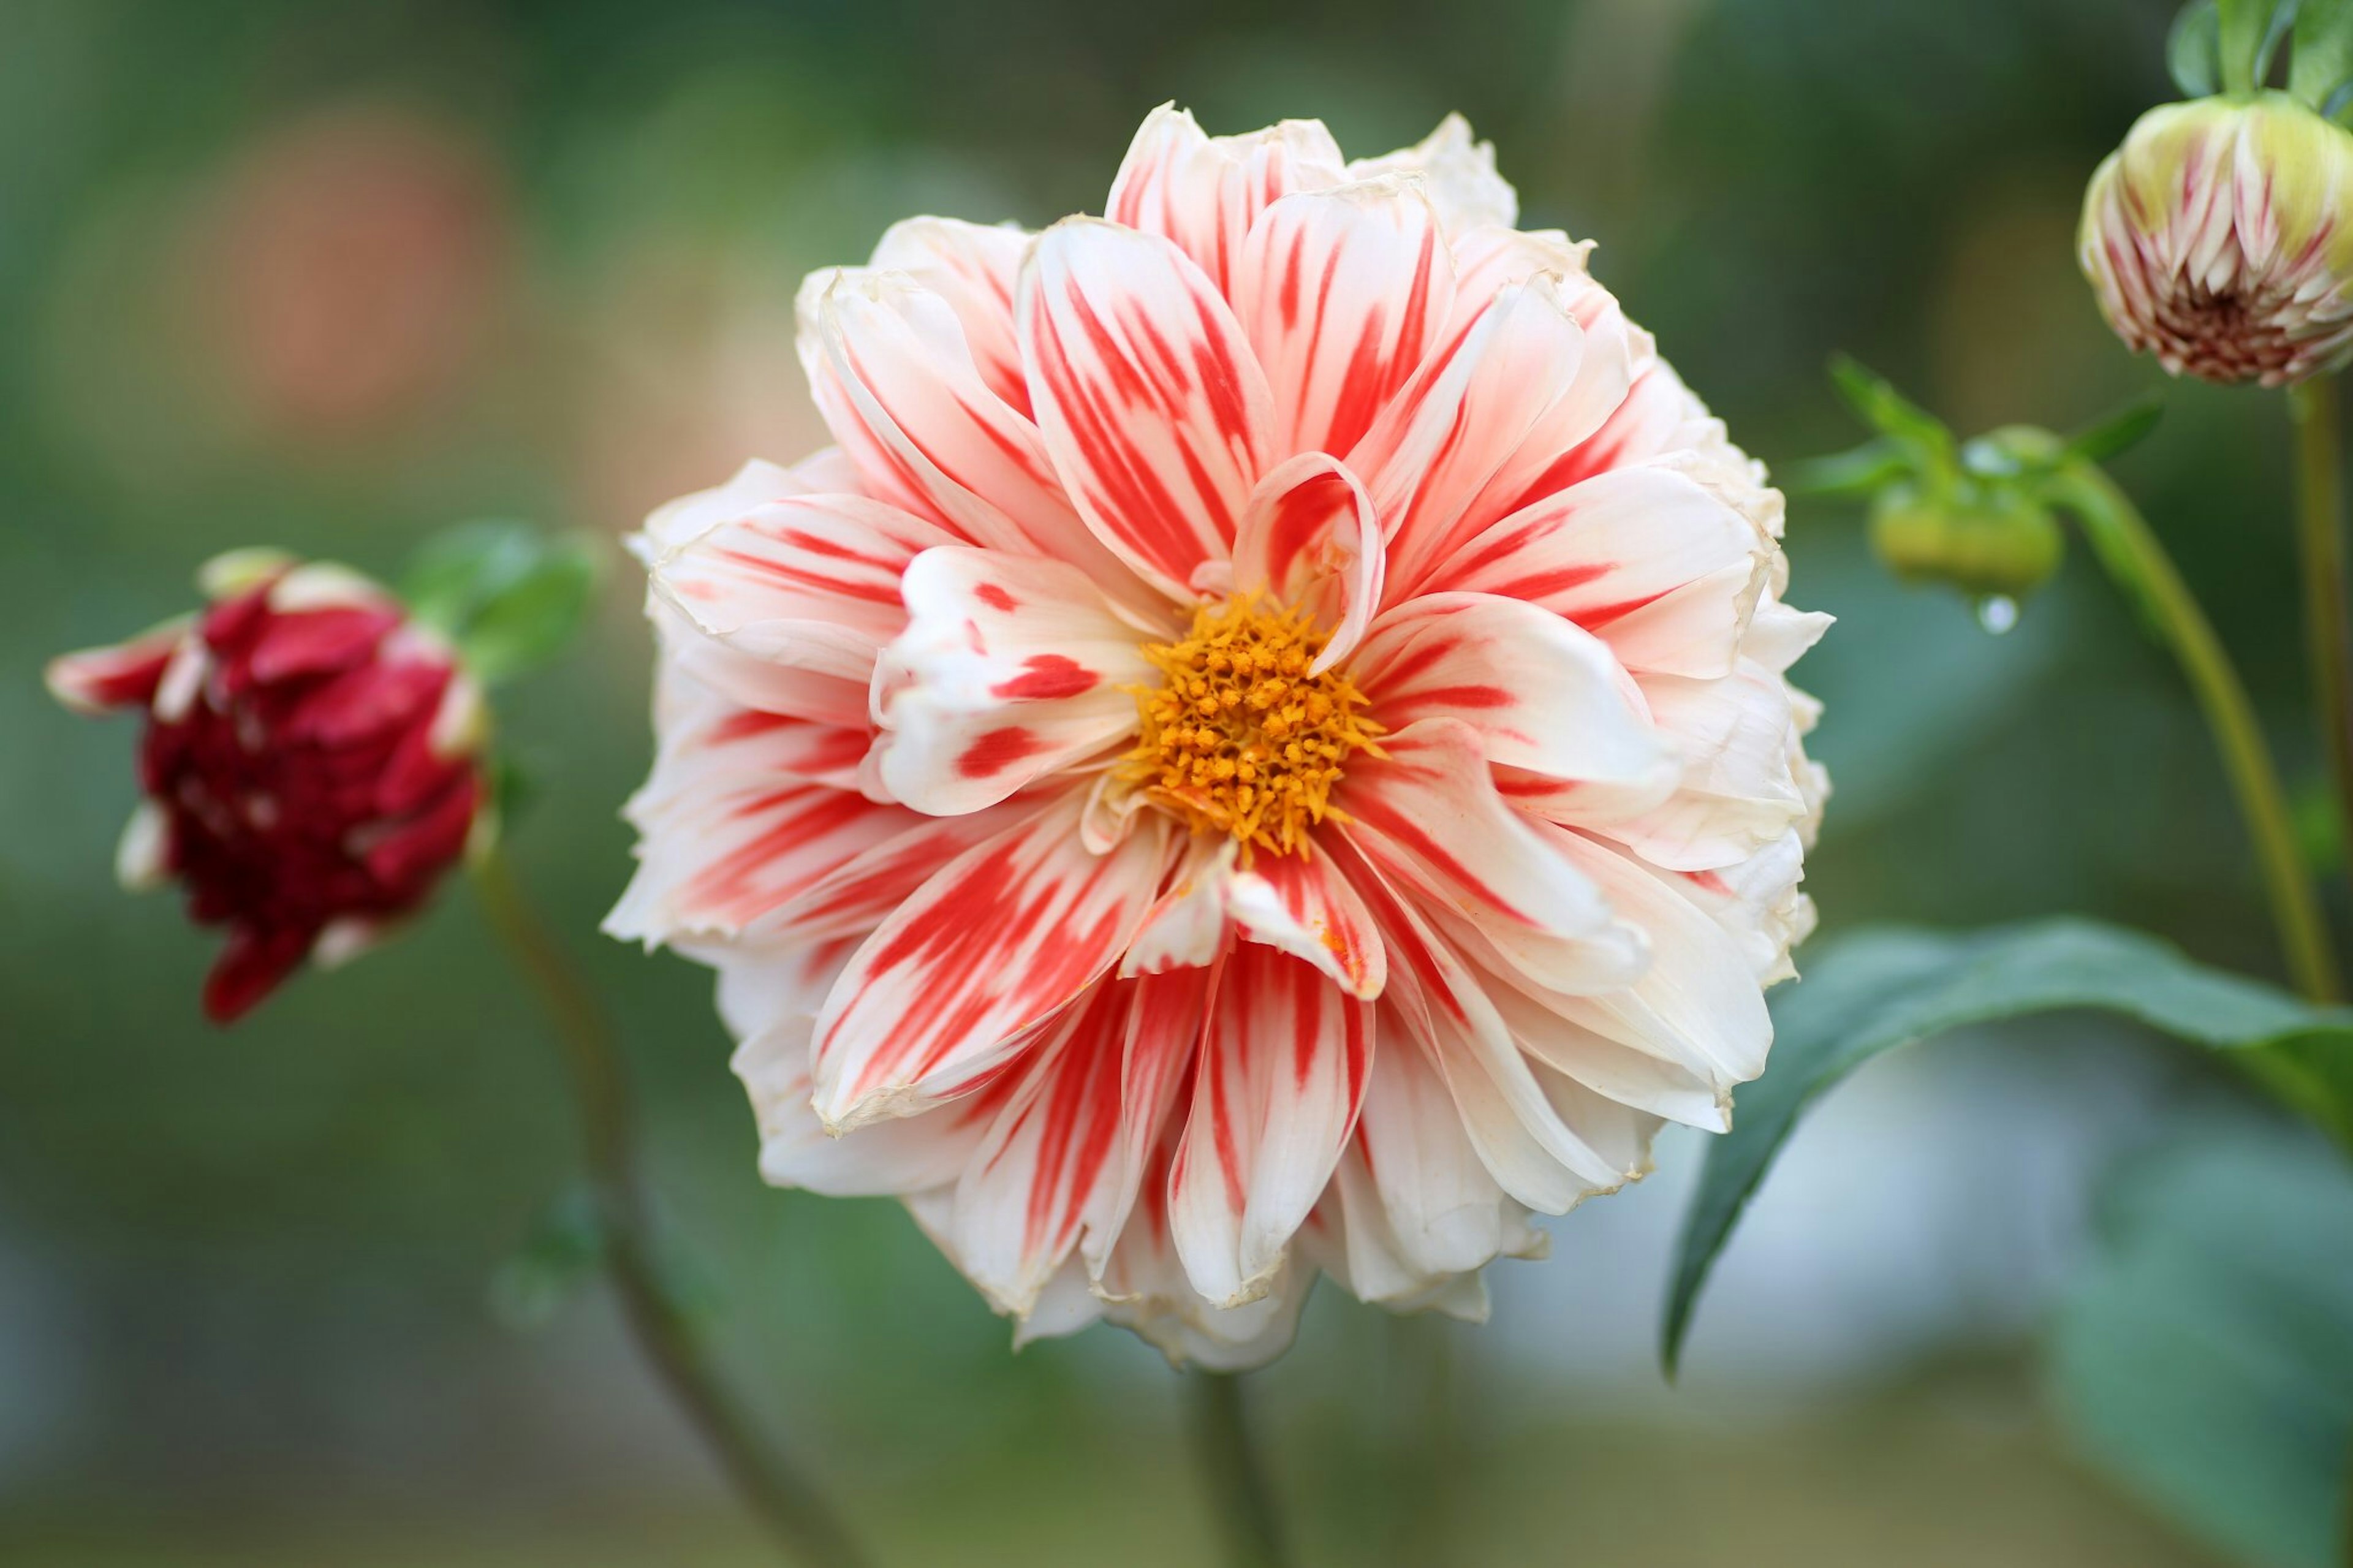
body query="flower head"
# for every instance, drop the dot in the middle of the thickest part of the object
(1264, 751)
(310, 763)
(2220, 238)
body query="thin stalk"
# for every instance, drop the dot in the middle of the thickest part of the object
(2320, 544)
(2141, 569)
(785, 1499)
(1236, 1475)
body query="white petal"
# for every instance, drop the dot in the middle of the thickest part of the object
(1457, 174)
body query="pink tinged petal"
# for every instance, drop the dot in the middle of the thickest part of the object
(1470, 408)
(1456, 171)
(1154, 409)
(1428, 818)
(1187, 925)
(1281, 1076)
(1698, 1003)
(1648, 558)
(1445, 1012)
(1541, 693)
(1011, 668)
(1051, 1160)
(1304, 906)
(1743, 783)
(1658, 415)
(1342, 292)
(687, 519)
(993, 945)
(1431, 1198)
(972, 268)
(1205, 192)
(1310, 536)
(1675, 1091)
(126, 675)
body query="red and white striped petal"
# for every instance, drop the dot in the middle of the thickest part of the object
(102, 680)
(1026, 1194)
(1204, 192)
(1342, 292)
(898, 386)
(972, 267)
(1428, 818)
(859, 894)
(1275, 1094)
(1759, 904)
(1443, 1010)
(1153, 409)
(720, 848)
(994, 944)
(1542, 693)
(1144, 1287)
(890, 1159)
(810, 582)
(1676, 1090)
(1304, 906)
(1310, 536)
(1465, 414)
(1647, 558)
(687, 519)
(1010, 667)
(1166, 1015)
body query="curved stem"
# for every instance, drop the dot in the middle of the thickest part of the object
(2320, 544)
(2147, 575)
(1236, 1475)
(791, 1507)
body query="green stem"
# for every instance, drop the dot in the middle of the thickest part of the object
(2320, 543)
(1235, 1475)
(800, 1518)
(2145, 575)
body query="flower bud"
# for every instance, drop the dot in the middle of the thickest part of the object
(1984, 539)
(2220, 238)
(311, 763)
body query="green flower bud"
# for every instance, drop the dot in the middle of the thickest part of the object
(1984, 539)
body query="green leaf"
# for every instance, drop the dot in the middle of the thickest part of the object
(1874, 398)
(2119, 432)
(2193, 50)
(2205, 1354)
(1863, 471)
(2250, 30)
(1876, 990)
(2322, 61)
(508, 597)
(528, 622)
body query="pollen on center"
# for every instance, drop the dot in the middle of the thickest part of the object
(1242, 736)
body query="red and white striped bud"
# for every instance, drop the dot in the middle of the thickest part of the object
(2220, 238)
(311, 763)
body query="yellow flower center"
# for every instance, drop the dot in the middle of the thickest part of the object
(1241, 737)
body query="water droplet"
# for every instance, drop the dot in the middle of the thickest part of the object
(1996, 613)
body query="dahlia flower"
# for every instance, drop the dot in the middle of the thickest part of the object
(2220, 238)
(1262, 751)
(310, 763)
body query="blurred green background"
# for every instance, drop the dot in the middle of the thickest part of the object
(331, 276)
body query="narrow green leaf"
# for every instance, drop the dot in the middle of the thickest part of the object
(2204, 1354)
(1875, 400)
(1877, 990)
(1863, 471)
(455, 570)
(2193, 50)
(2119, 432)
(2323, 62)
